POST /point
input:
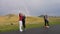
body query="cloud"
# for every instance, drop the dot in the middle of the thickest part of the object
(34, 7)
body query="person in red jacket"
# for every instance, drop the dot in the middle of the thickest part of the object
(20, 21)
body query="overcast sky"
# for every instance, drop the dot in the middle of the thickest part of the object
(30, 7)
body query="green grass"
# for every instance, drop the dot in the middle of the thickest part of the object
(9, 28)
(34, 25)
(5, 28)
(54, 23)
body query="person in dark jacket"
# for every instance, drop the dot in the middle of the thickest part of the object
(23, 20)
(46, 21)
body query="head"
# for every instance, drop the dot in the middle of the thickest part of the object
(20, 14)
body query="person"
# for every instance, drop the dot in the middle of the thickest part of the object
(46, 21)
(20, 21)
(23, 21)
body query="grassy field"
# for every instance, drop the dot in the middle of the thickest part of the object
(10, 23)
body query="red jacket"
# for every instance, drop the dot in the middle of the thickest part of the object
(20, 17)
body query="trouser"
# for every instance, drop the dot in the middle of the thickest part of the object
(46, 23)
(20, 26)
(24, 24)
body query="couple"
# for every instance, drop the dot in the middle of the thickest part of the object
(22, 22)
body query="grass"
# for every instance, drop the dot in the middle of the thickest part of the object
(11, 24)
(9, 28)
(5, 28)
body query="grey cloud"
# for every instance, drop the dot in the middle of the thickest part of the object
(34, 7)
